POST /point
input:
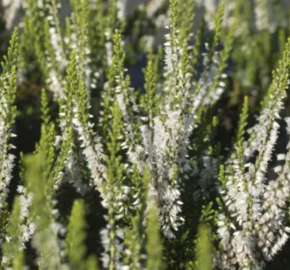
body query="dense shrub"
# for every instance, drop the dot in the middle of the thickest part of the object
(171, 173)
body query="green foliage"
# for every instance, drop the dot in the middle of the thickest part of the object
(75, 239)
(205, 252)
(187, 16)
(45, 237)
(154, 246)
(150, 99)
(45, 117)
(12, 244)
(18, 262)
(242, 122)
(8, 83)
(92, 263)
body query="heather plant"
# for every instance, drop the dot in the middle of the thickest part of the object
(123, 177)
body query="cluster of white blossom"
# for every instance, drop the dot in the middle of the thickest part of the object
(53, 7)
(274, 203)
(71, 171)
(172, 129)
(254, 209)
(121, 9)
(11, 11)
(46, 243)
(6, 174)
(7, 118)
(128, 107)
(27, 226)
(111, 240)
(92, 148)
(80, 42)
(57, 62)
